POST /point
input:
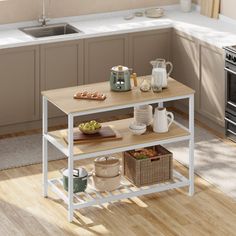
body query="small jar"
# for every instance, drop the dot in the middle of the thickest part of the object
(186, 5)
(145, 85)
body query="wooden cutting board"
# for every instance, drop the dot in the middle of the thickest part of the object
(207, 7)
(106, 133)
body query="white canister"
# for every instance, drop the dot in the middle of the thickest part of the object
(162, 120)
(186, 5)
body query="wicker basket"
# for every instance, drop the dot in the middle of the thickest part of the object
(151, 170)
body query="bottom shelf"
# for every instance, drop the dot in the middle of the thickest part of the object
(127, 190)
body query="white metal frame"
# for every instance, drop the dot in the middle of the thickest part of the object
(181, 181)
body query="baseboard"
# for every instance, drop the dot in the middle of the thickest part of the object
(61, 122)
(201, 120)
(58, 122)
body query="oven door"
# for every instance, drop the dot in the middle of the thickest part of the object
(230, 126)
(230, 88)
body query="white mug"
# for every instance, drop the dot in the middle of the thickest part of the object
(162, 120)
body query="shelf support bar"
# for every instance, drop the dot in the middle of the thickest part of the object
(45, 147)
(70, 166)
(191, 145)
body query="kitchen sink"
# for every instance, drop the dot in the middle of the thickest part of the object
(50, 30)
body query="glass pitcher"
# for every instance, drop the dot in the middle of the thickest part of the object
(160, 74)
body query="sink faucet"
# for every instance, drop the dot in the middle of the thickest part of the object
(43, 19)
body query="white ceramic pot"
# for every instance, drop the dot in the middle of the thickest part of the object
(106, 184)
(162, 120)
(107, 166)
(186, 5)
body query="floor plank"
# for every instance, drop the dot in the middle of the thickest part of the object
(23, 210)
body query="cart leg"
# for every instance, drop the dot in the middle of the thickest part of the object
(45, 147)
(191, 145)
(70, 167)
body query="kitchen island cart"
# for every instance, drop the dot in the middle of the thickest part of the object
(63, 99)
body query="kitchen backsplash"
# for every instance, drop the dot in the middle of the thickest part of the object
(25, 10)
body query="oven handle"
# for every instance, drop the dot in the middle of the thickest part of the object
(230, 71)
(232, 132)
(231, 104)
(230, 121)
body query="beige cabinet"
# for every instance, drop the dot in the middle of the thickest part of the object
(201, 67)
(19, 91)
(146, 46)
(212, 89)
(61, 65)
(186, 62)
(101, 54)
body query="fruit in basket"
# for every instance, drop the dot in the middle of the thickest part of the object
(90, 127)
(141, 156)
(144, 153)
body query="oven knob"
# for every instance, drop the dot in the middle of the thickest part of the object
(234, 59)
(229, 57)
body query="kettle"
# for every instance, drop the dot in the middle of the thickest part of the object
(120, 78)
(159, 71)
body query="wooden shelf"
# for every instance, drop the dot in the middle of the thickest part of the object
(63, 98)
(128, 141)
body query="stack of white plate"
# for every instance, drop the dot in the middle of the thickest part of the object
(143, 114)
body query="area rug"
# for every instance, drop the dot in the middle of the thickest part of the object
(215, 160)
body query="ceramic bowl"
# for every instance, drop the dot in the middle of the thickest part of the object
(143, 114)
(137, 128)
(154, 12)
(89, 131)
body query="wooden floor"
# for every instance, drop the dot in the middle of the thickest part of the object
(23, 211)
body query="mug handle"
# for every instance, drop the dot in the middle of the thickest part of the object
(171, 68)
(171, 116)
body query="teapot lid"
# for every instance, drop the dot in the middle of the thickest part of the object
(78, 172)
(119, 68)
(106, 161)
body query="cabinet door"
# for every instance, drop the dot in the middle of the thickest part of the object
(19, 90)
(61, 66)
(212, 90)
(147, 46)
(101, 54)
(186, 62)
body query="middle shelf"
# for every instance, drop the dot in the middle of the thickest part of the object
(129, 141)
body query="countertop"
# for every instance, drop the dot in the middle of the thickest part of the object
(215, 32)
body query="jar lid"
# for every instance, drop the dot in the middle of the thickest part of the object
(120, 68)
(107, 161)
(77, 173)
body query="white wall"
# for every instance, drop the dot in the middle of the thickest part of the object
(228, 8)
(23, 10)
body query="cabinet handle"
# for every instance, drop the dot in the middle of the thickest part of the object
(230, 71)
(230, 121)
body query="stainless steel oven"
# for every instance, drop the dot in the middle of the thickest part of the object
(230, 101)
